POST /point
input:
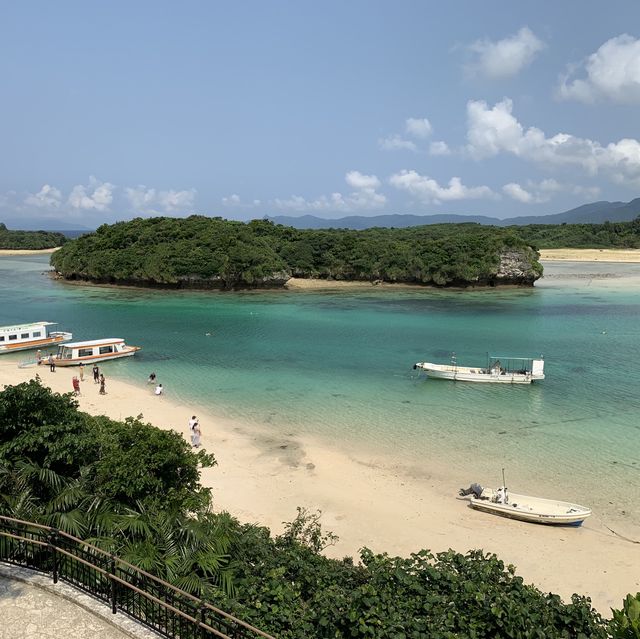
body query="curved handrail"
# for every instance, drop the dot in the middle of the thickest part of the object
(204, 619)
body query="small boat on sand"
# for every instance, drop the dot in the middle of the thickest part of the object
(499, 370)
(97, 350)
(22, 337)
(524, 507)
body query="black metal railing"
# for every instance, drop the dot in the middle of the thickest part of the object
(151, 601)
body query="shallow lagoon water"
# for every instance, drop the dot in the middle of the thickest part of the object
(338, 365)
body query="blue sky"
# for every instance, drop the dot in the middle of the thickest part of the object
(114, 110)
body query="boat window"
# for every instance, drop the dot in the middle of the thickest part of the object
(12, 337)
(67, 353)
(1, 338)
(106, 349)
(24, 336)
(85, 352)
(37, 333)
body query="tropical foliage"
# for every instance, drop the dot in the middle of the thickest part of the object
(29, 239)
(212, 252)
(134, 490)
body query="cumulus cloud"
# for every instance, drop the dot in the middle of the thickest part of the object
(396, 143)
(611, 73)
(97, 196)
(543, 191)
(48, 197)
(235, 201)
(428, 190)
(507, 57)
(149, 200)
(439, 148)
(494, 130)
(364, 197)
(418, 127)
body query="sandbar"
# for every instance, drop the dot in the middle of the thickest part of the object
(590, 255)
(262, 477)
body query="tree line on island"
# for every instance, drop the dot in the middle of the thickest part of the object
(33, 240)
(73, 471)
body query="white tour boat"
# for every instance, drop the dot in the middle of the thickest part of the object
(97, 350)
(22, 337)
(500, 370)
(524, 507)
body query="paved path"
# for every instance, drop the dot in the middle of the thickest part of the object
(32, 607)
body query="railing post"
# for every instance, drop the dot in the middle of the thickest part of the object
(114, 586)
(203, 620)
(52, 539)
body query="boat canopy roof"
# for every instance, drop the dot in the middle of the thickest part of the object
(94, 342)
(26, 327)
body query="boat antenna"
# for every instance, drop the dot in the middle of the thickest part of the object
(504, 483)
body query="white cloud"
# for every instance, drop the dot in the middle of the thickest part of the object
(97, 195)
(612, 72)
(507, 57)
(231, 200)
(48, 197)
(439, 148)
(543, 191)
(418, 127)
(145, 200)
(428, 190)
(363, 197)
(495, 130)
(396, 143)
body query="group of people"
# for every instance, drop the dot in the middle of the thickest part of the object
(195, 432)
(98, 378)
(159, 390)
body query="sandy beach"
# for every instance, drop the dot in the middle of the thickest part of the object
(590, 255)
(27, 251)
(262, 478)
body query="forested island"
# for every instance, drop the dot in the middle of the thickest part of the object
(73, 471)
(33, 240)
(203, 252)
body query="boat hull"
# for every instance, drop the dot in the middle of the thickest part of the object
(35, 344)
(534, 510)
(92, 359)
(468, 374)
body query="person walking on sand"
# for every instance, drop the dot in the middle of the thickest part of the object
(96, 374)
(52, 364)
(159, 390)
(193, 424)
(102, 383)
(76, 385)
(81, 371)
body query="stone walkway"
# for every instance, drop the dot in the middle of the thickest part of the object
(32, 607)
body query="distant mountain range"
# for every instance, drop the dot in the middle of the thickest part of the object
(594, 213)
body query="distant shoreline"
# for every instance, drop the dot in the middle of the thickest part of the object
(628, 256)
(27, 251)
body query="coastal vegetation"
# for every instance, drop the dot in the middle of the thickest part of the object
(33, 240)
(207, 252)
(606, 235)
(135, 490)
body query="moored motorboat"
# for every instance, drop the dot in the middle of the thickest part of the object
(22, 337)
(499, 370)
(536, 510)
(92, 351)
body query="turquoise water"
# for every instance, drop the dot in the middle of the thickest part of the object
(339, 366)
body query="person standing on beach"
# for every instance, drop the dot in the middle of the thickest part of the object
(96, 374)
(76, 385)
(52, 364)
(159, 390)
(102, 383)
(195, 435)
(81, 371)
(152, 379)
(193, 424)
(38, 357)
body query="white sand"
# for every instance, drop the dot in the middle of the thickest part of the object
(27, 251)
(591, 255)
(262, 478)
